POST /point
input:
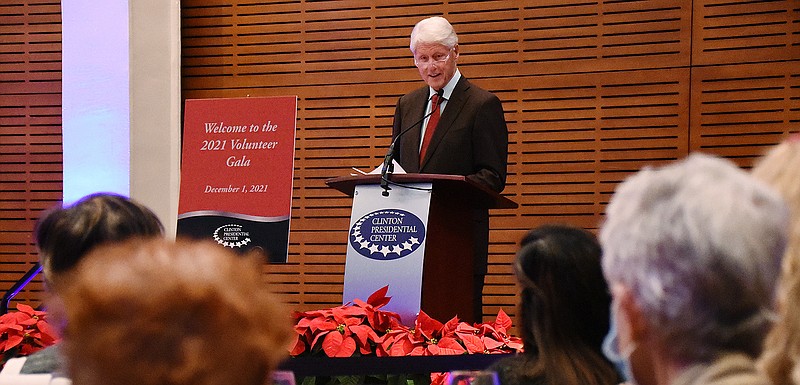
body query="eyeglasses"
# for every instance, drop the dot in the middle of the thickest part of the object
(424, 61)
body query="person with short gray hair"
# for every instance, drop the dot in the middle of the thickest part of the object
(692, 254)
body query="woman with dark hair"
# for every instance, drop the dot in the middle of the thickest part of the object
(564, 311)
(64, 235)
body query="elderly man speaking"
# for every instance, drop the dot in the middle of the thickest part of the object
(452, 126)
(692, 253)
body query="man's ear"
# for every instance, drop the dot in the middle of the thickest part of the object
(631, 312)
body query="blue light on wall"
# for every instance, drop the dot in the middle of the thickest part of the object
(96, 98)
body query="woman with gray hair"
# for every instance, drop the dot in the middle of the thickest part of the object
(692, 253)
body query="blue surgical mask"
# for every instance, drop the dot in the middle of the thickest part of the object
(611, 350)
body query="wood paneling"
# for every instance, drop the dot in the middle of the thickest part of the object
(742, 31)
(30, 131)
(739, 110)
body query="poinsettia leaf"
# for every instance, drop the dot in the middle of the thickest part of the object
(348, 347)
(417, 351)
(491, 343)
(321, 313)
(332, 343)
(26, 309)
(451, 345)
(439, 378)
(353, 321)
(427, 325)
(486, 329)
(28, 349)
(381, 352)
(322, 335)
(515, 343)
(451, 352)
(379, 298)
(361, 303)
(338, 315)
(464, 327)
(401, 347)
(12, 342)
(449, 328)
(298, 348)
(361, 333)
(472, 343)
(304, 322)
(353, 311)
(431, 350)
(503, 320)
(382, 320)
(29, 322)
(15, 329)
(19, 317)
(336, 345)
(322, 324)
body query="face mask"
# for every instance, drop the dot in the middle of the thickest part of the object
(611, 350)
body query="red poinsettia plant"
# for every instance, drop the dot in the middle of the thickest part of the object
(25, 331)
(362, 328)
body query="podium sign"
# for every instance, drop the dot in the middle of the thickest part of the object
(237, 172)
(386, 246)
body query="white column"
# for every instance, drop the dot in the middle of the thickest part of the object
(155, 97)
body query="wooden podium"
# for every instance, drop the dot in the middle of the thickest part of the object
(447, 271)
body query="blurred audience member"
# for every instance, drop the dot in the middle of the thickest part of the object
(780, 168)
(161, 313)
(65, 234)
(692, 253)
(564, 311)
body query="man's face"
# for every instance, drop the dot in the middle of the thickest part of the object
(436, 63)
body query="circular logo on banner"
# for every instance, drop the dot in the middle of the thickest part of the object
(232, 235)
(387, 234)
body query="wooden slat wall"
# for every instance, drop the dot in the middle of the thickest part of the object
(592, 92)
(30, 131)
(746, 86)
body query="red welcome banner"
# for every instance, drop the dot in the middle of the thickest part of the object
(237, 170)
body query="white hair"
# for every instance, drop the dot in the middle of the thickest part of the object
(435, 30)
(699, 244)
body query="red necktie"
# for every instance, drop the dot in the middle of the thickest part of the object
(432, 122)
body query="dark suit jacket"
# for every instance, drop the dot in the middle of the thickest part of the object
(471, 138)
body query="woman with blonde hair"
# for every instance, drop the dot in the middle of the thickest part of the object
(780, 360)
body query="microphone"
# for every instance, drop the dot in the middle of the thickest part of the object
(388, 167)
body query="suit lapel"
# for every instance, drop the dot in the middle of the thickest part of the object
(411, 140)
(454, 106)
